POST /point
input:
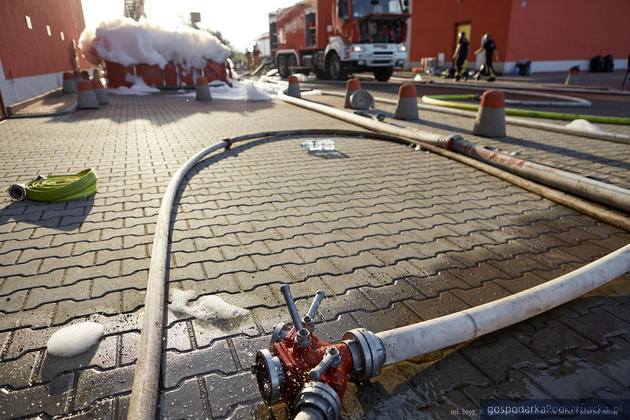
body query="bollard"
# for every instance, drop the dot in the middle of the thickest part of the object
(361, 99)
(490, 121)
(573, 76)
(351, 86)
(407, 107)
(294, 86)
(99, 91)
(69, 84)
(203, 90)
(87, 97)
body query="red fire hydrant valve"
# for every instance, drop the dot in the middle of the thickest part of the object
(310, 375)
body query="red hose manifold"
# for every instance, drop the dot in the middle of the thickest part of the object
(310, 375)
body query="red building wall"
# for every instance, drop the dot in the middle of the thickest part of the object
(434, 23)
(30, 52)
(537, 30)
(548, 30)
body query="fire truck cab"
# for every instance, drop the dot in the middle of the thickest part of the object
(332, 38)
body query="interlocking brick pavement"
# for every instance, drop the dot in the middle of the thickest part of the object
(393, 236)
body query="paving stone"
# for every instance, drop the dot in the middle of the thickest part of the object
(516, 386)
(591, 324)
(95, 385)
(495, 356)
(184, 402)
(398, 316)
(225, 392)
(101, 410)
(49, 398)
(17, 373)
(444, 304)
(182, 365)
(108, 304)
(488, 292)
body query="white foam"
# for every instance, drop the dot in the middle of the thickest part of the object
(138, 87)
(584, 125)
(74, 339)
(246, 90)
(207, 308)
(126, 42)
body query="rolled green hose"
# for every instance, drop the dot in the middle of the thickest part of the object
(62, 187)
(443, 100)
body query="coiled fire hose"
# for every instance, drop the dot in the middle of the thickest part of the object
(56, 187)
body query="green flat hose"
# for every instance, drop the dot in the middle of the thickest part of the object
(62, 187)
(443, 100)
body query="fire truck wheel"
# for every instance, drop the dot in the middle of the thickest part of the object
(383, 75)
(283, 67)
(335, 67)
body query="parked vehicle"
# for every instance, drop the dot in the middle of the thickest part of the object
(332, 38)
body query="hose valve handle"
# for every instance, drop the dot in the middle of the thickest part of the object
(303, 337)
(315, 305)
(331, 359)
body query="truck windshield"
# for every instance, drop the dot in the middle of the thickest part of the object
(365, 7)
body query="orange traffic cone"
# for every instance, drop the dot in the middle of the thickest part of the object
(87, 97)
(203, 90)
(294, 86)
(69, 84)
(490, 120)
(99, 91)
(407, 107)
(351, 86)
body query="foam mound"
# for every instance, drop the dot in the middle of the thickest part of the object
(74, 339)
(584, 125)
(206, 308)
(127, 42)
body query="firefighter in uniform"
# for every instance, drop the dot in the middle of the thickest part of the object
(460, 55)
(489, 46)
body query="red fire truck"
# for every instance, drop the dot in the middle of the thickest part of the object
(332, 38)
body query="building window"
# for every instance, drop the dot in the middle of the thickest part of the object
(48, 30)
(29, 25)
(63, 37)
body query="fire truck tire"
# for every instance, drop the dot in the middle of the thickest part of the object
(283, 66)
(335, 67)
(383, 74)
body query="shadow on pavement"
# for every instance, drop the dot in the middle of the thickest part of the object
(64, 215)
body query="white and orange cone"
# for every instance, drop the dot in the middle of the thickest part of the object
(352, 85)
(87, 97)
(99, 91)
(69, 84)
(294, 86)
(203, 90)
(490, 120)
(407, 107)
